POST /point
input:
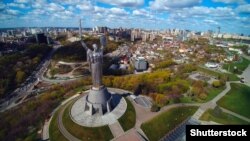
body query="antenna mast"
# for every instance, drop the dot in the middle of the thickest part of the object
(80, 29)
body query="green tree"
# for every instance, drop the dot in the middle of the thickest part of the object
(164, 64)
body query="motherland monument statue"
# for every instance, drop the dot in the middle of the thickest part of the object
(98, 100)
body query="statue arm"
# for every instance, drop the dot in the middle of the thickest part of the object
(85, 46)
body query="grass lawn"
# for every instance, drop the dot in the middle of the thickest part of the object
(240, 65)
(213, 92)
(54, 132)
(80, 89)
(237, 100)
(128, 119)
(223, 118)
(232, 77)
(86, 133)
(160, 125)
(186, 99)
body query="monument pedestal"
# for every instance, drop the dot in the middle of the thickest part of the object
(98, 101)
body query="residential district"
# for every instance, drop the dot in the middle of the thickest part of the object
(160, 81)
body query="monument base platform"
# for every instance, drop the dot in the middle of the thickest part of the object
(84, 118)
(98, 101)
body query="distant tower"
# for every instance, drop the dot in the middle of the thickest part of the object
(218, 29)
(80, 28)
(132, 36)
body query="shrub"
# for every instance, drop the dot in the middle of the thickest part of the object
(216, 84)
(155, 108)
(203, 96)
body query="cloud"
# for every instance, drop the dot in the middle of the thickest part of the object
(98, 9)
(118, 11)
(18, 5)
(203, 12)
(230, 1)
(39, 4)
(85, 5)
(21, 1)
(244, 20)
(54, 7)
(109, 14)
(243, 9)
(62, 15)
(68, 13)
(69, 2)
(124, 3)
(12, 12)
(169, 4)
(5, 17)
(38, 12)
(2, 6)
(209, 21)
(184, 14)
(142, 13)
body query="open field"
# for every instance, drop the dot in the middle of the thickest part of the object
(241, 66)
(160, 125)
(223, 118)
(85, 133)
(232, 77)
(237, 100)
(54, 132)
(127, 120)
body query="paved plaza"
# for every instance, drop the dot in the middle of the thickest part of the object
(143, 101)
(246, 75)
(202, 77)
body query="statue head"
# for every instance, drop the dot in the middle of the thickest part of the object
(95, 47)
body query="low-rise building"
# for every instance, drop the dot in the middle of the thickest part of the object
(211, 65)
(141, 64)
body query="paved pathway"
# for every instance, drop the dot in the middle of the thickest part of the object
(62, 129)
(235, 114)
(130, 135)
(212, 103)
(116, 129)
(224, 92)
(45, 130)
(246, 56)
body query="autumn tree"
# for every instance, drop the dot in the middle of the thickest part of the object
(198, 90)
(216, 83)
(20, 76)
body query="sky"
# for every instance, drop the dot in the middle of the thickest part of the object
(233, 16)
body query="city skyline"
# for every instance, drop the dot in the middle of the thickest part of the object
(199, 15)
